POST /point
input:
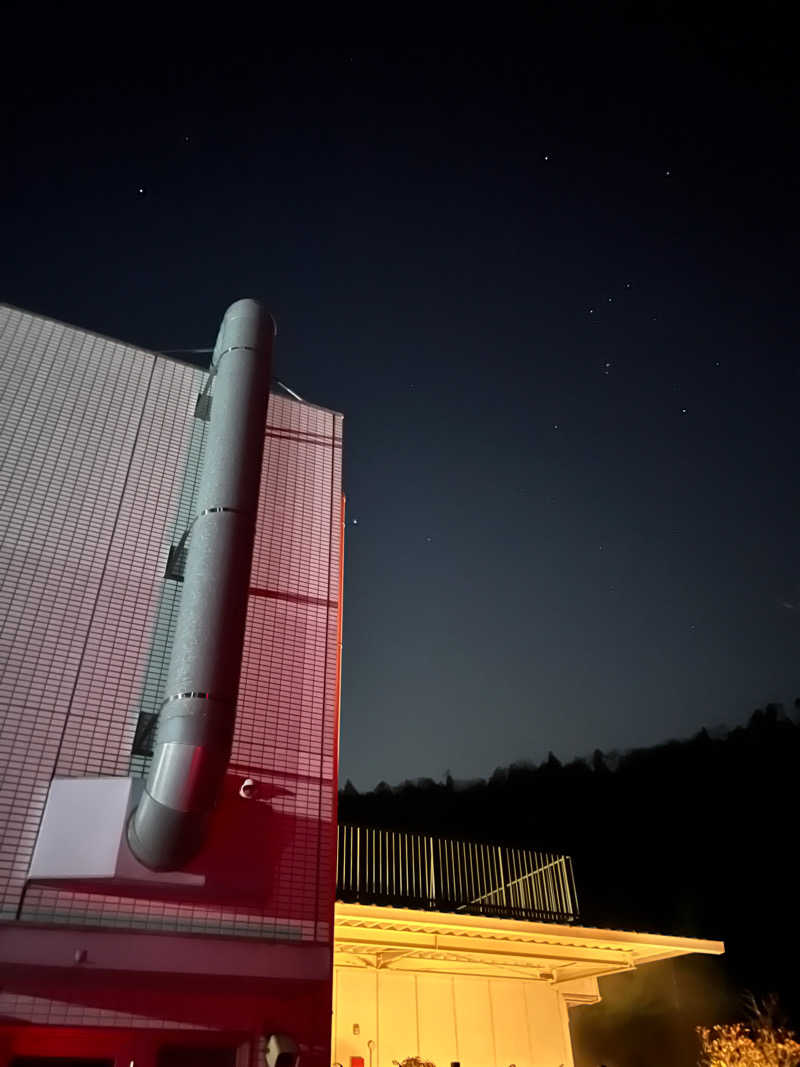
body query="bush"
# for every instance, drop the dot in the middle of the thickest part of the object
(740, 1045)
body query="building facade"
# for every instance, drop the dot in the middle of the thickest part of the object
(457, 952)
(477, 990)
(102, 446)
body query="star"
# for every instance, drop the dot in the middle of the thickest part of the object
(140, 190)
(627, 285)
(546, 158)
(667, 174)
(355, 522)
(683, 411)
(611, 300)
(591, 311)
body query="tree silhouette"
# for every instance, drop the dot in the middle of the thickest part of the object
(692, 837)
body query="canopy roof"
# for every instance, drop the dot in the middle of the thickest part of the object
(409, 940)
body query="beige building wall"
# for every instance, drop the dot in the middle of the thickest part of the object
(475, 990)
(476, 1021)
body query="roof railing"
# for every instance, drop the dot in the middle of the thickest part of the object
(409, 870)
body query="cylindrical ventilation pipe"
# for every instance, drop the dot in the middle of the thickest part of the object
(195, 726)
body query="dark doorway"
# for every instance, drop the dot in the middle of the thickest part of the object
(60, 1061)
(195, 1056)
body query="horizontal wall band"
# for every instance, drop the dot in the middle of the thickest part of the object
(293, 598)
(305, 439)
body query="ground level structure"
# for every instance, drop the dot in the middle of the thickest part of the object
(469, 989)
(476, 990)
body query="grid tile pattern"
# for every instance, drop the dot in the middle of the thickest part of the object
(72, 407)
(123, 669)
(102, 455)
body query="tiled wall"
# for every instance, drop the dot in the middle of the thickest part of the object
(72, 409)
(100, 454)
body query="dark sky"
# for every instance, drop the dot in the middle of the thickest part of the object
(551, 282)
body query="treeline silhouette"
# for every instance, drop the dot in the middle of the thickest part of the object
(694, 837)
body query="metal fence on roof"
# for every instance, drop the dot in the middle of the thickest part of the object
(412, 870)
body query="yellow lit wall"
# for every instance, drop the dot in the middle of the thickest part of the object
(477, 1021)
(476, 990)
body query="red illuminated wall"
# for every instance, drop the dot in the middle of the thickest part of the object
(101, 453)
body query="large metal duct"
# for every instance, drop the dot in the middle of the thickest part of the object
(195, 727)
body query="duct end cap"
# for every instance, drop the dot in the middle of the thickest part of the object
(248, 308)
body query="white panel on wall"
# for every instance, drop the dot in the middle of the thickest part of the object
(474, 1022)
(437, 1021)
(511, 1040)
(548, 1026)
(478, 1022)
(397, 1018)
(355, 1006)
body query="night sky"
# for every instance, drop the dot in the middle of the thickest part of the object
(550, 282)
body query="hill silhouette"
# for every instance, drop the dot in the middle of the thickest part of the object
(693, 837)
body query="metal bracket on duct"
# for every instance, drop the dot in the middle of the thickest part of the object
(195, 728)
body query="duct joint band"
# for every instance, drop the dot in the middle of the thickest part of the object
(231, 348)
(212, 511)
(176, 550)
(191, 695)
